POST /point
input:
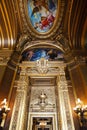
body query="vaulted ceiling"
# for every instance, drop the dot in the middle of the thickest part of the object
(70, 28)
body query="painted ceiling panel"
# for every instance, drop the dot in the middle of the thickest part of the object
(42, 14)
(46, 53)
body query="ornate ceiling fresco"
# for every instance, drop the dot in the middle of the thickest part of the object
(42, 20)
(60, 24)
(42, 14)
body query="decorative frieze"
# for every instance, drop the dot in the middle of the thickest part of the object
(31, 68)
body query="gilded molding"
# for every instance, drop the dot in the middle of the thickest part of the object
(22, 41)
(39, 43)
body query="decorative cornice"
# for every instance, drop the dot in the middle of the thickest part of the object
(29, 68)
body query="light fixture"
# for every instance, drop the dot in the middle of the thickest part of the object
(4, 109)
(81, 110)
(42, 65)
(42, 124)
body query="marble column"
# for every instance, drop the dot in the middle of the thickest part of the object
(64, 102)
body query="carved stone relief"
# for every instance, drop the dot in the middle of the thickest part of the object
(50, 100)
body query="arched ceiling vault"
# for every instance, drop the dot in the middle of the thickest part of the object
(70, 25)
(77, 20)
(8, 29)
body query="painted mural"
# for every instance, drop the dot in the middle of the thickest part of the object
(42, 14)
(36, 54)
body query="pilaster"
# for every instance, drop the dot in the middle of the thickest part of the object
(18, 115)
(64, 101)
